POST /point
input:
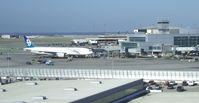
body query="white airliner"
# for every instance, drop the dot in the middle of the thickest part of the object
(56, 51)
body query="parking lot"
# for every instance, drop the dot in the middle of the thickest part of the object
(190, 95)
(164, 86)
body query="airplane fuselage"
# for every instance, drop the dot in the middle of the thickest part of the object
(59, 51)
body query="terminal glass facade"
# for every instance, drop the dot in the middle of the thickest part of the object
(155, 48)
(120, 94)
(194, 40)
(114, 94)
(129, 45)
(137, 39)
(186, 41)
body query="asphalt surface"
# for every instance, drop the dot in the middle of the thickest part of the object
(19, 60)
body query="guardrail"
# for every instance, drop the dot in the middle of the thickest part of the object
(100, 73)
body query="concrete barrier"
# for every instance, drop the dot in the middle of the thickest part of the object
(99, 73)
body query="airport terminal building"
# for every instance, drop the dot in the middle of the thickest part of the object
(160, 38)
(180, 40)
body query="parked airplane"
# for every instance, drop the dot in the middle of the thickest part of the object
(56, 51)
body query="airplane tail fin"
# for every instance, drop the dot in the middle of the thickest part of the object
(28, 42)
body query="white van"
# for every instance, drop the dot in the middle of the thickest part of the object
(191, 83)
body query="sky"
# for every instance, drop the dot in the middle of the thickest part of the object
(94, 15)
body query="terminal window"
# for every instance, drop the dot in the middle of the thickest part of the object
(186, 41)
(154, 48)
(137, 39)
(129, 45)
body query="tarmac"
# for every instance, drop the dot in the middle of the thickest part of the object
(19, 60)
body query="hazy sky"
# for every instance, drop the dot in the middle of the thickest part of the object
(93, 15)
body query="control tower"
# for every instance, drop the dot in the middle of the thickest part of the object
(163, 26)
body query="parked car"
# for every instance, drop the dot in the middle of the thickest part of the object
(166, 83)
(184, 83)
(28, 63)
(180, 89)
(170, 86)
(157, 87)
(172, 83)
(151, 82)
(149, 88)
(191, 83)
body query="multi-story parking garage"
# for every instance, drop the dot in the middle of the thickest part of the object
(75, 91)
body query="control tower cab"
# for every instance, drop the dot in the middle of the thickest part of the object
(162, 27)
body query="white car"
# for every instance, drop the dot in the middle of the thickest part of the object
(191, 83)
